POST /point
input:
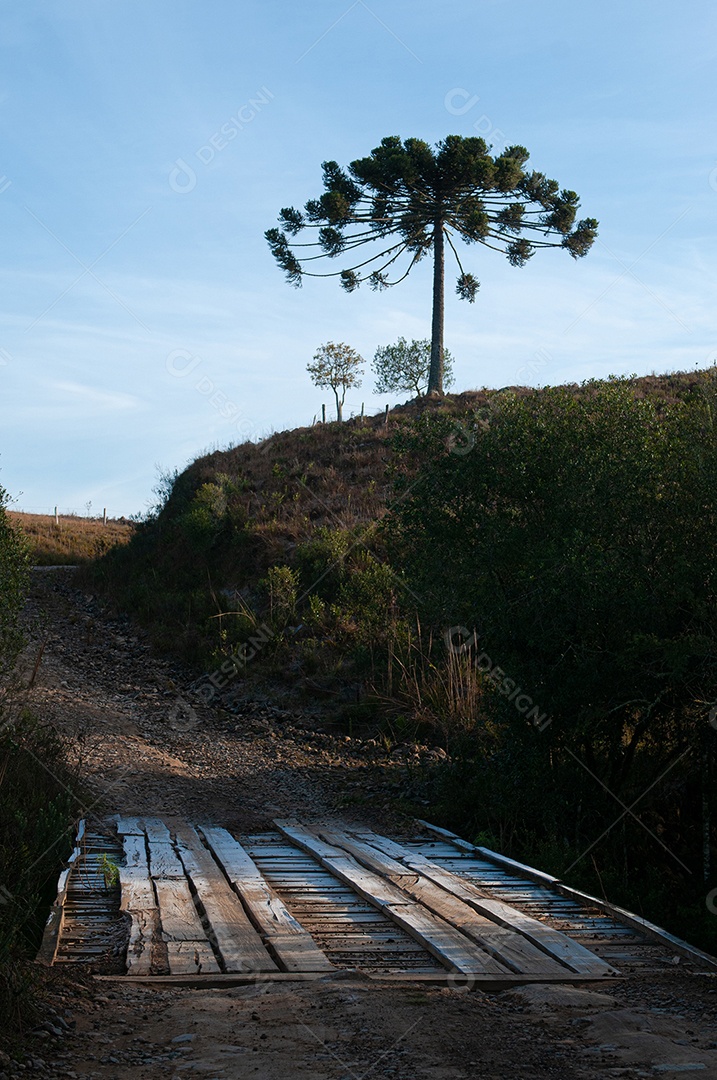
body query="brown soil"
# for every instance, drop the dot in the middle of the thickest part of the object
(142, 743)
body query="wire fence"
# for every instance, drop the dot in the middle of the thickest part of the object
(57, 512)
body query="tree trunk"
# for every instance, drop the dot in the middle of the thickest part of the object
(435, 379)
(339, 406)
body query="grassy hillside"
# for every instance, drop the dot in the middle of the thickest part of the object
(273, 533)
(527, 578)
(307, 499)
(70, 541)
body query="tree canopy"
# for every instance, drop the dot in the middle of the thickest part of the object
(336, 367)
(410, 200)
(406, 366)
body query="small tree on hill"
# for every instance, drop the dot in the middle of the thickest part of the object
(406, 366)
(336, 367)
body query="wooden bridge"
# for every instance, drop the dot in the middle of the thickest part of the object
(195, 904)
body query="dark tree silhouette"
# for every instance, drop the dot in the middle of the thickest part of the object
(412, 200)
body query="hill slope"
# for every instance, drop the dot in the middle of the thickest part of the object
(526, 577)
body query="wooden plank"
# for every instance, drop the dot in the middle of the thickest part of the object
(484, 983)
(627, 918)
(299, 953)
(156, 830)
(294, 947)
(499, 939)
(164, 861)
(135, 851)
(237, 863)
(56, 918)
(191, 958)
(443, 941)
(129, 826)
(136, 889)
(636, 922)
(552, 943)
(238, 942)
(143, 932)
(492, 856)
(177, 914)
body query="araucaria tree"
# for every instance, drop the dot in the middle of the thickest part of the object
(336, 367)
(406, 366)
(411, 200)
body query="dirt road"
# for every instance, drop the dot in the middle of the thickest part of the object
(139, 749)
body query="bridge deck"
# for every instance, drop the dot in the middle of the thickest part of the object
(191, 902)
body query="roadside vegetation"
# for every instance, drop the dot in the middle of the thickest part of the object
(525, 578)
(36, 803)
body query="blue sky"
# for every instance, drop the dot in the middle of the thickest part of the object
(145, 148)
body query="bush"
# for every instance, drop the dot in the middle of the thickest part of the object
(14, 576)
(572, 537)
(36, 804)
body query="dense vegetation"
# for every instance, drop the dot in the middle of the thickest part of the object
(527, 577)
(36, 804)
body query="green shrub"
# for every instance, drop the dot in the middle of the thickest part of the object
(281, 587)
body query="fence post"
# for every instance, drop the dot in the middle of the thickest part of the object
(104, 516)
(57, 520)
(386, 417)
(323, 414)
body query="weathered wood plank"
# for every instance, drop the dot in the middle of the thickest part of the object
(531, 934)
(484, 983)
(492, 856)
(143, 931)
(177, 914)
(135, 850)
(136, 889)
(294, 947)
(164, 861)
(443, 941)
(129, 826)
(137, 900)
(56, 918)
(237, 862)
(637, 923)
(156, 830)
(191, 958)
(241, 948)
(299, 953)
(512, 950)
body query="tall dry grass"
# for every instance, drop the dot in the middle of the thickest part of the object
(433, 687)
(72, 541)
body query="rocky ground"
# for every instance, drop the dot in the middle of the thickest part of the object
(143, 742)
(139, 732)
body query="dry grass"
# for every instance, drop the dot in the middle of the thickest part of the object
(72, 541)
(441, 690)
